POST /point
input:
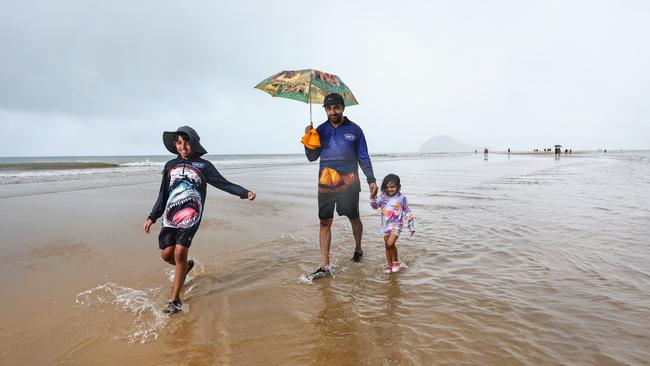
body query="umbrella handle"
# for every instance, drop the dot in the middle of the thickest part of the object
(309, 93)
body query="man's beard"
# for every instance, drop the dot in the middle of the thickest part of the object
(337, 118)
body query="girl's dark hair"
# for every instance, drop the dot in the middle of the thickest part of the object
(390, 178)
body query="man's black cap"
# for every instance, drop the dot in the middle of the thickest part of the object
(333, 99)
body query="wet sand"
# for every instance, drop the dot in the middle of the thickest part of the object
(57, 245)
(521, 261)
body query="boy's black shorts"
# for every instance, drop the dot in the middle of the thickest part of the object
(346, 202)
(170, 236)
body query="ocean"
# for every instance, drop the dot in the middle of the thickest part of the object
(31, 175)
(15, 170)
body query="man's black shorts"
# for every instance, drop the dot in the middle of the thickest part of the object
(171, 236)
(346, 202)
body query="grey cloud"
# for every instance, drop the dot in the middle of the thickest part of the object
(504, 73)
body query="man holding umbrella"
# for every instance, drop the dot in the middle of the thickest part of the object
(342, 150)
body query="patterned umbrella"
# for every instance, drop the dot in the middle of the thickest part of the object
(308, 86)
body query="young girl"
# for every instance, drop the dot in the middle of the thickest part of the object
(394, 210)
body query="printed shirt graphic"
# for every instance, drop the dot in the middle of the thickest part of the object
(394, 210)
(184, 205)
(343, 149)
(183, 190)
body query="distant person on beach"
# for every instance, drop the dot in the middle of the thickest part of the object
(394, 211)
(180, 203)
(343, 149)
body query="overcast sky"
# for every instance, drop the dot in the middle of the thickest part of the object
(107, 77)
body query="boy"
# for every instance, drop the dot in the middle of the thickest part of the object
(180, 203)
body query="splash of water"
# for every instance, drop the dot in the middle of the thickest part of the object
(143, 314)
(309, 278)
(198, 268)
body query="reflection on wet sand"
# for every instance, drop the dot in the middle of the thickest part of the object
(387, 326)
(353, 329)
(336, 326)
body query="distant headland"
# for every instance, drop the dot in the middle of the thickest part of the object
(443, 143)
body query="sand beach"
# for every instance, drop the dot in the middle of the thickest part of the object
(522, 260)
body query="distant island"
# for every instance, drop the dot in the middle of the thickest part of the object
(443, 143)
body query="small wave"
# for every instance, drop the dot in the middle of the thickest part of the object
(145, 317)
(56, 165)
(146, 163)
(39, 176)
(461, 195)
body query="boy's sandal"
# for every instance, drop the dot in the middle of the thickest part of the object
(320, 272)
(388, 269)
(173, 307)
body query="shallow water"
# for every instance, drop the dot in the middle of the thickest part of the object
(514, 262)
(521, 260)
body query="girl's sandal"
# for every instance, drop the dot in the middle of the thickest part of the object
(388, 270)
(396, 267)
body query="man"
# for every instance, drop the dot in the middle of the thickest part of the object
(343, 149)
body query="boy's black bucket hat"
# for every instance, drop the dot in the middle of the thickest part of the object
(169, 139)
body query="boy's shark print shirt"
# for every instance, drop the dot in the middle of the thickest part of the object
(183, 190)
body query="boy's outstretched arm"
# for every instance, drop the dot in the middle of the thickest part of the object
(251, 195)
(215, 178)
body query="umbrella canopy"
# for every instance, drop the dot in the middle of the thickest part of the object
(308, 86)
